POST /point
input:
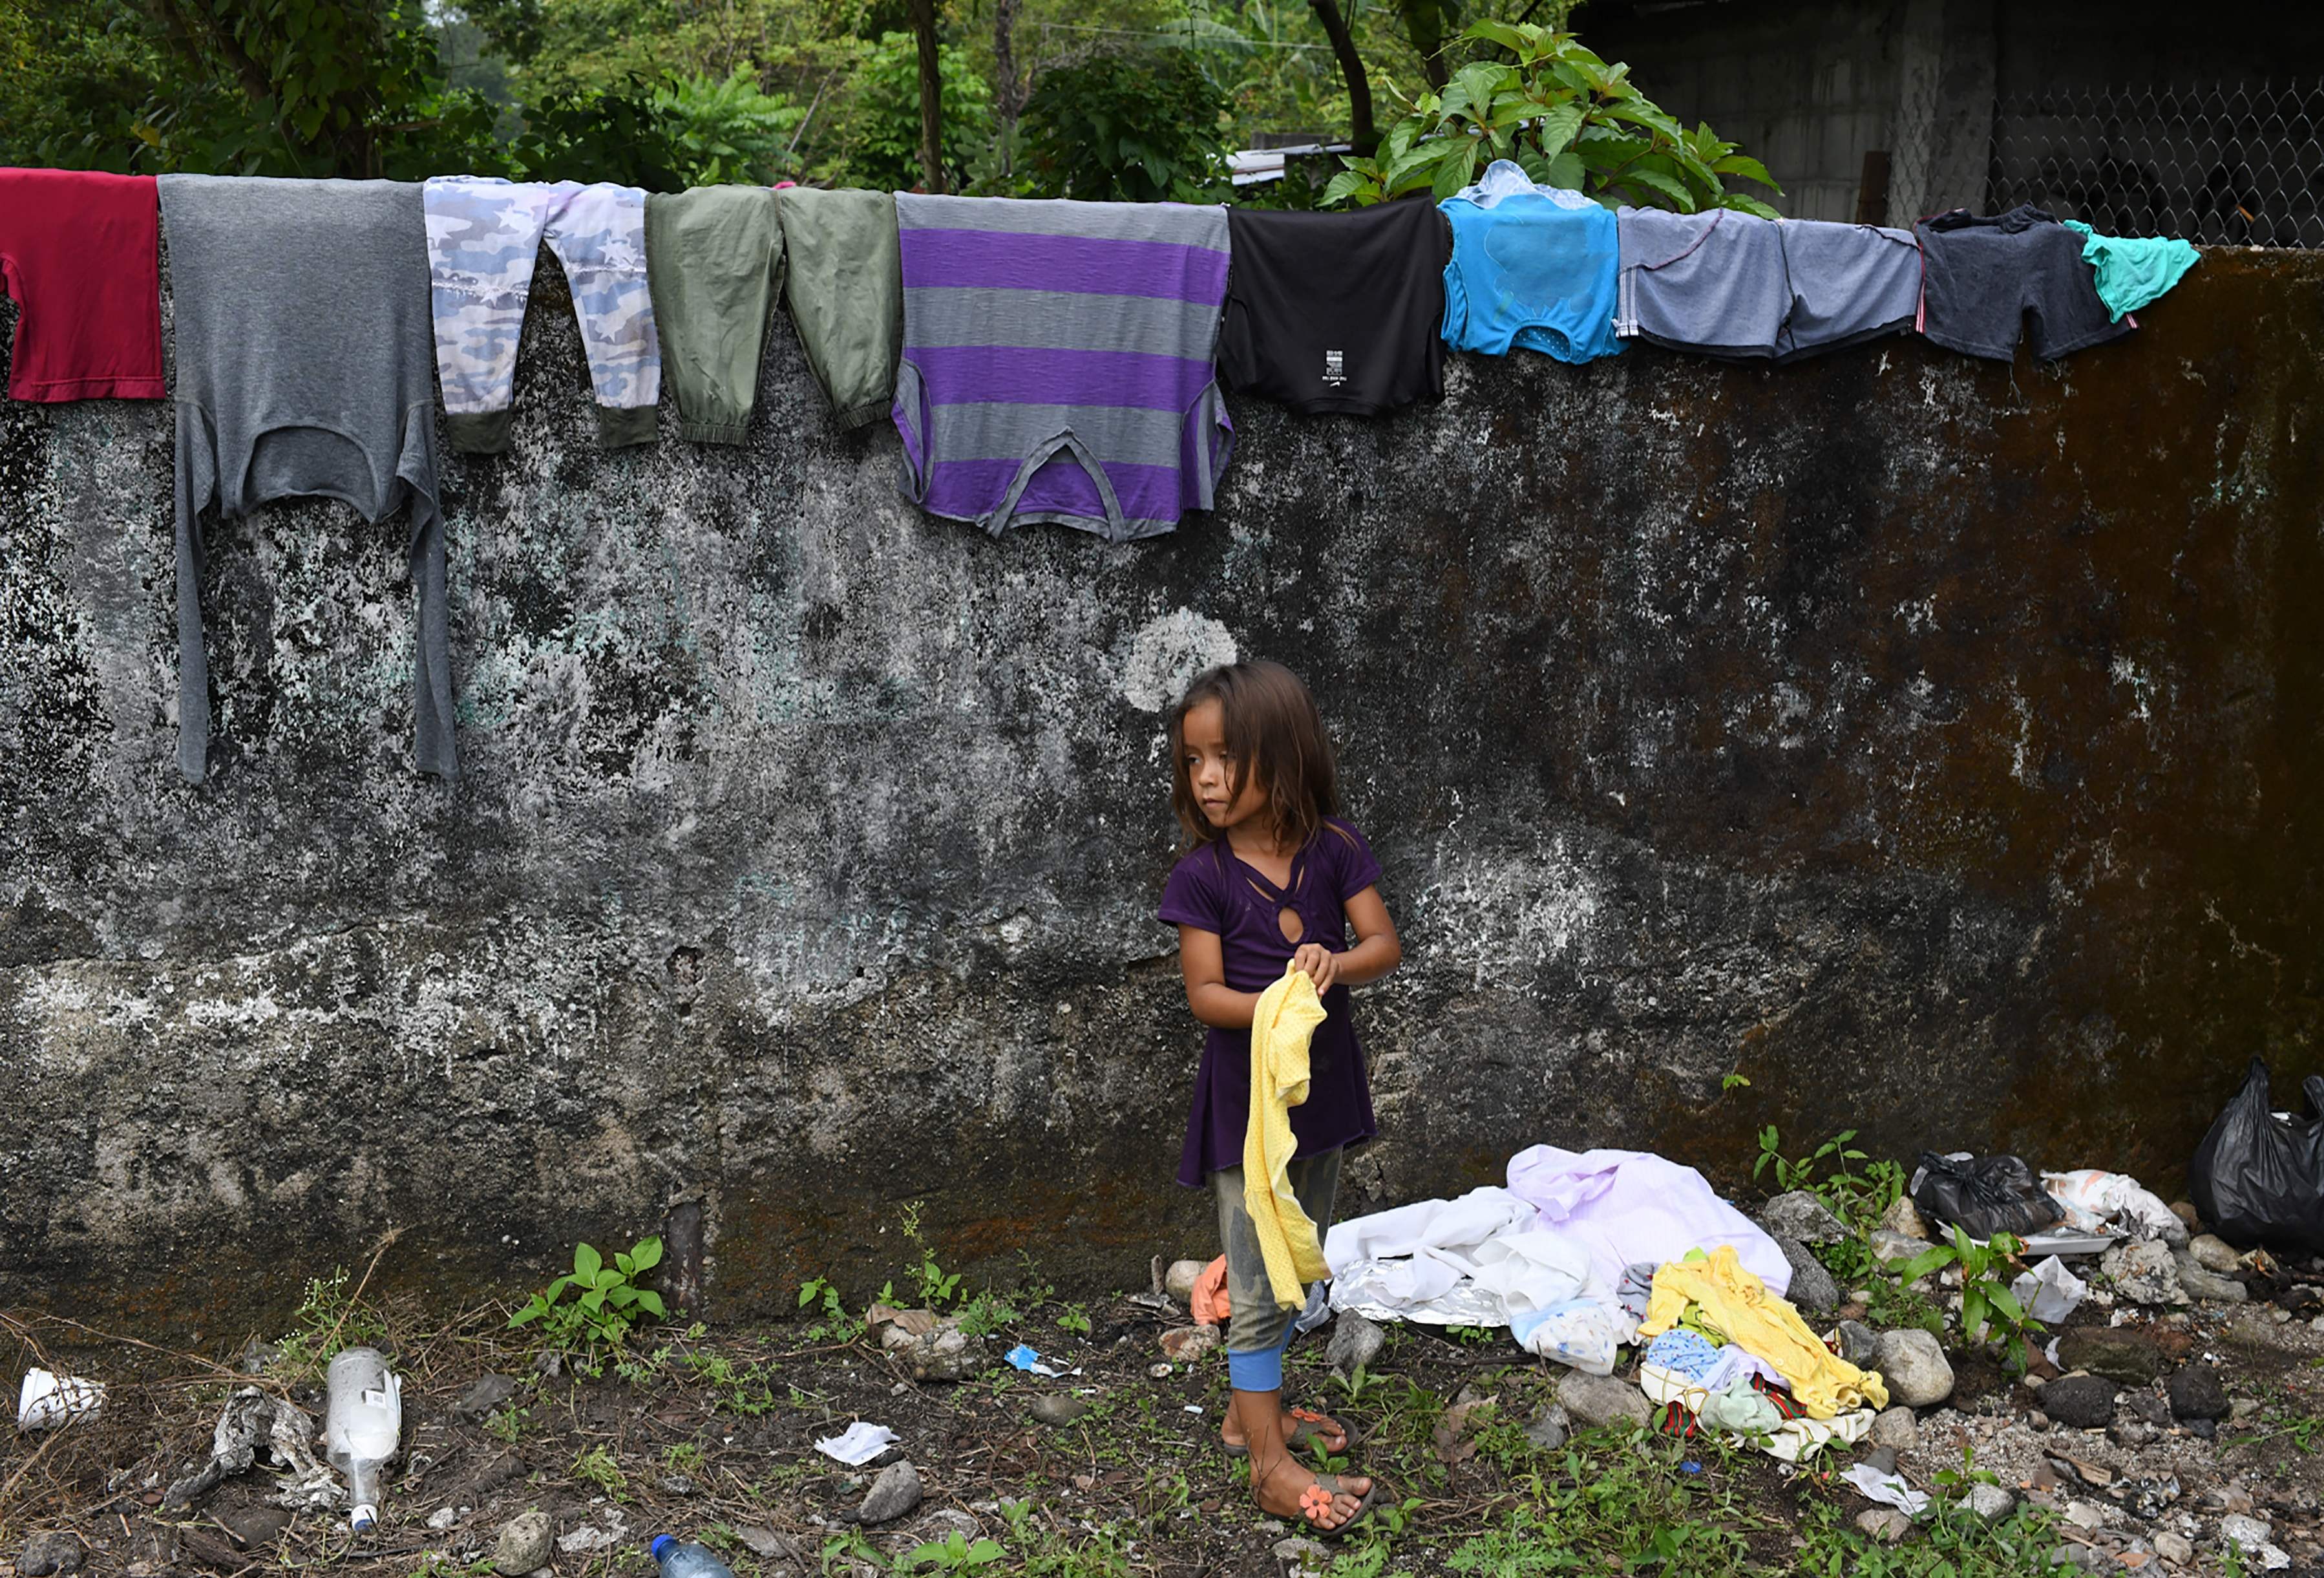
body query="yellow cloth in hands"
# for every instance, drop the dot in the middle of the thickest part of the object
(1281, 1024)
(1738, 1304)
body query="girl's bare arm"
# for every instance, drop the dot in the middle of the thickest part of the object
(1214, 1001)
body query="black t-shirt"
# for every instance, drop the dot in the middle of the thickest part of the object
(1337, 312)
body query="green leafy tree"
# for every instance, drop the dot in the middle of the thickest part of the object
(1564, 116)
(879, 140)
(1128, 128)
(730, 131)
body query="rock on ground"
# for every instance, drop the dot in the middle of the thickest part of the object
(2196, 1394)
(47, 1554)
(1185, 1344)
(1895, 1427)
(2141, 1271)
(1802, 1218)
(2119, 1354)
(1904, 1218)
(2174, 1548)
(1059, 1408)
(1884, 1524)
(766, 1542)
(489, 1393)
(2082, 1402)
(1813, 1288)
(1914, 1367)
(1600, 1399)
(945, 1353)
(2199, 1283)
(524, 1543)
(1990, 1503)
(2213, 1253)
(894, 1493)
(1888, 1248)
(1179, 1280)
(1550, 1427)
(1355, 1342)
(1860, 1344)
(1301, 1558)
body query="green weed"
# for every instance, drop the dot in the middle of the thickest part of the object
(596, 1467)
(607, 1302)
(328, 1319)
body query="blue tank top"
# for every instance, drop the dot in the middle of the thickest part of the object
(1532, 265)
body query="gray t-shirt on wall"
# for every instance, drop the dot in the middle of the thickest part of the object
(305, 366)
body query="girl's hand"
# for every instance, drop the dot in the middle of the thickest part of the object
(1321, 964)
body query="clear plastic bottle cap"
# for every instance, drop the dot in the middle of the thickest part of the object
(363, 1517)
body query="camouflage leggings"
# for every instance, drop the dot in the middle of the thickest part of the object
(1260, 1329)
(483, 235)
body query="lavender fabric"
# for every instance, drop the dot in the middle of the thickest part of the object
(1629, 1205)
(1057, 361)
(1212, 890)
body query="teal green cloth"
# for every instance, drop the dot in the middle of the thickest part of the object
(2134, 270)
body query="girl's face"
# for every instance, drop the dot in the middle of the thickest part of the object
(1210, 769)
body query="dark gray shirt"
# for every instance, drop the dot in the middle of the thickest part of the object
(305, 366)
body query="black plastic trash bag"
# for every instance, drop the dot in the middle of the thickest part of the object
(1990, 1195)
(2258, 1179)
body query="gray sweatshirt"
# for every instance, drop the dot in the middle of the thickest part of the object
(305, 366)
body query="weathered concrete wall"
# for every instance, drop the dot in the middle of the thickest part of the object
(1934, 742)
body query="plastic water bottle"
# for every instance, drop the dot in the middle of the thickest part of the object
(362, 1426)
(686, 1559)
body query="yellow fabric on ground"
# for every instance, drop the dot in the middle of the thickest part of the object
(1280, 1026)
(1738, 1306)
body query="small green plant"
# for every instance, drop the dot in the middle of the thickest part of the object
(1075, 1318)
(607, 1304)
(937, 1286)
(1987, 1301)
(986, 1314)
(508, 1423)
(1473, 1336)
(596, 1467)
(683, 1457)
(1730, 1081)
(328, 1319)
(956, 1553)
(736, 1389)
(1801, 1174)
(835, 1325)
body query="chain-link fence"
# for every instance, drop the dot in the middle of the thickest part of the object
(2236, 163)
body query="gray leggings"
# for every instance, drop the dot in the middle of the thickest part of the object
(1260, 1329)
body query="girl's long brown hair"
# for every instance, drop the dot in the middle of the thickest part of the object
(1274, 730)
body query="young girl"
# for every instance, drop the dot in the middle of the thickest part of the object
(1272, 878)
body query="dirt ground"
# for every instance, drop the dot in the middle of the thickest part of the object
(711, 1434)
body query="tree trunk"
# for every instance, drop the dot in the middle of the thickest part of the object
(1352, 70)
(923, 27)
(1424, 23)
(1007, 92)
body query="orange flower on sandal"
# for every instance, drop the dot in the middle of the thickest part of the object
(1315, 1504)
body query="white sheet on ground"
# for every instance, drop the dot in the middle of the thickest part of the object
(1481, 1261)
(1626, 1205)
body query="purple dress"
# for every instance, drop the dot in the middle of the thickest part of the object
(1213, 890)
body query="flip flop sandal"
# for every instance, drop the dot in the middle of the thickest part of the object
(1307, 1424)
(1315, 1503)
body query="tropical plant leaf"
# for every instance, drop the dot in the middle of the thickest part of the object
(586, 1263)
(1558, 128)
(1748, 168)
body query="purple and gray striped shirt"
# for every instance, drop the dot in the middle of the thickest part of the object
(1057, 361)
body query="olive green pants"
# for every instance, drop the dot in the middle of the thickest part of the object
(712, 257)
(1260, 1329)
